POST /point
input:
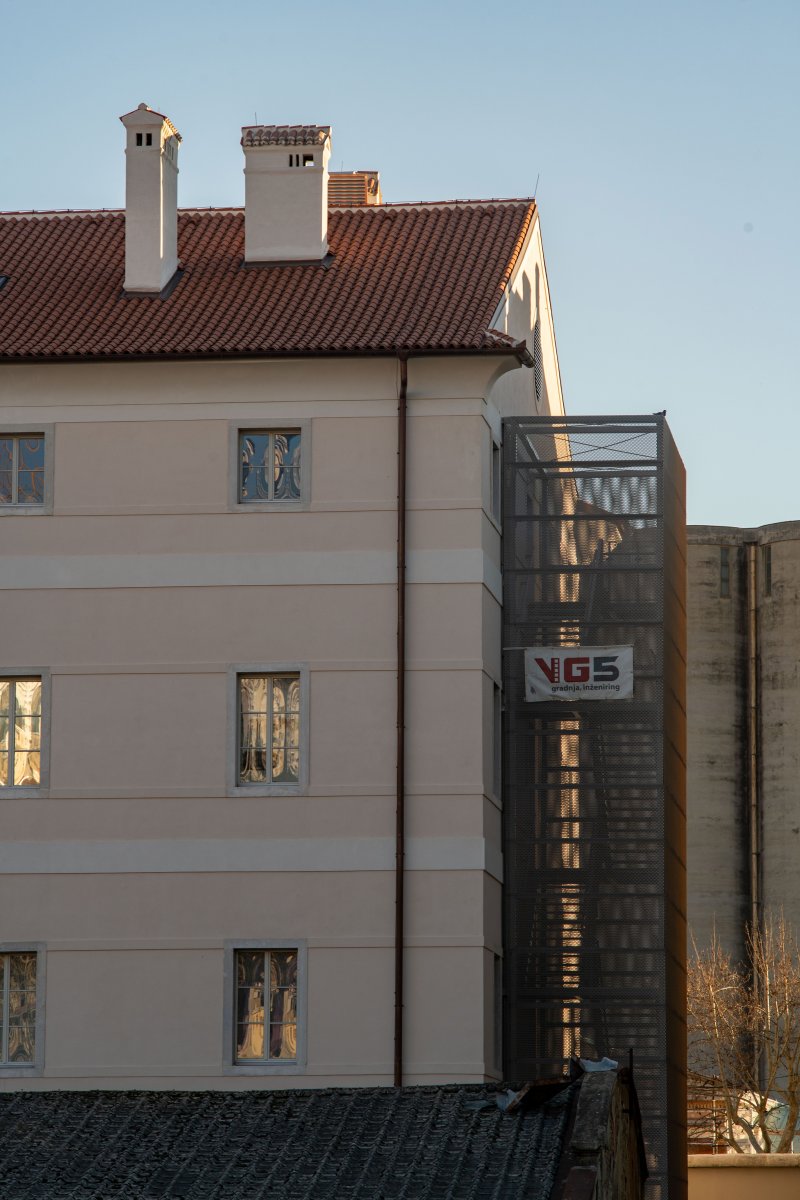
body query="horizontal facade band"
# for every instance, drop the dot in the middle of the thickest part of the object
(189, 945)
(78, 406)
(245, 855)
(320, 791)
(204, 509)
(221, 668)
(326, 1074)
(284, 569)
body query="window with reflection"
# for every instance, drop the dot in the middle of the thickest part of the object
(269, 466)
(269, 729)
(18, 1008)
(266, 1006)
(20, 732)
(22, 468)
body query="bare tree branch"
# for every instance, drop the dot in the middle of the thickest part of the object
(744, 1041)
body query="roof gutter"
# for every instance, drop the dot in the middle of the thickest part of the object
(518, 350)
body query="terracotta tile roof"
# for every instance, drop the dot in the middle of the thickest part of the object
(424, 277)
(154, 111)
(285, 135)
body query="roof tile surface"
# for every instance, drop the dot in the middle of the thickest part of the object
(285, 135)
(408, 277)
(420, 1143)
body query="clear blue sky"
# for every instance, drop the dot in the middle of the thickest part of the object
(664, 136)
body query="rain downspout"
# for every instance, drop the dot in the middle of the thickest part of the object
(753, 790)
(399, 871)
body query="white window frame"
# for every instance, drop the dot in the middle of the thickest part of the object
(234, 787)
(296, 1066)
(30, 1070)
(12, 791)
(46, 507)
(273, 425)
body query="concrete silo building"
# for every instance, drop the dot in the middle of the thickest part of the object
(743, 728)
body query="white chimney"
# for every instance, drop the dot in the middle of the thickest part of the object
(286, 192)
(151, 200)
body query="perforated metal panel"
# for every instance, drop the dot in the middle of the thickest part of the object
(593, 535)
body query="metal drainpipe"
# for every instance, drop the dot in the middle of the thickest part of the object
(753, 791)
(399, 871)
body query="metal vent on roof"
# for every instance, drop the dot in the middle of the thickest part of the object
(349, 188)
(3, 281)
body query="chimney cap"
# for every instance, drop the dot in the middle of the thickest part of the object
(285, 135)
(143, 115)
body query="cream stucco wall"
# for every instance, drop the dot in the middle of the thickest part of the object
(744, 1176)
(140, 594)
(525, 304)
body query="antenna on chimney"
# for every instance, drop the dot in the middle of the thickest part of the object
(536, 188)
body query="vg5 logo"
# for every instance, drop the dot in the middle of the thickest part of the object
(579, 668)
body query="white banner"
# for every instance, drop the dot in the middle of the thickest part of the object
(578, 673)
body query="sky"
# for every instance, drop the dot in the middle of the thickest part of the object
(661, 140)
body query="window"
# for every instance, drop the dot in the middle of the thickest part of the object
(21, 1009)
(269, 729)
(20, 733)
(26, 470)
(22, 469)
(265, 1019)
(266, 1006)
(269, 466)
(18, 1008)
(724, 572)
(766, 569)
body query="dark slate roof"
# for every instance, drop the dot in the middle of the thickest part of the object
(421, 1143)
(423, 278)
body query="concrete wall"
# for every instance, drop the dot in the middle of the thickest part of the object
(717, 879)
(718, 850)
(744, 1176)
(139, 595)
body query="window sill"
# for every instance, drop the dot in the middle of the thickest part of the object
(268, 789)
(265, 1068)
(270, 506)
(26, 510)
(20, 1070)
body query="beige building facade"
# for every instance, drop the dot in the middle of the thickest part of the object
(199, 593)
